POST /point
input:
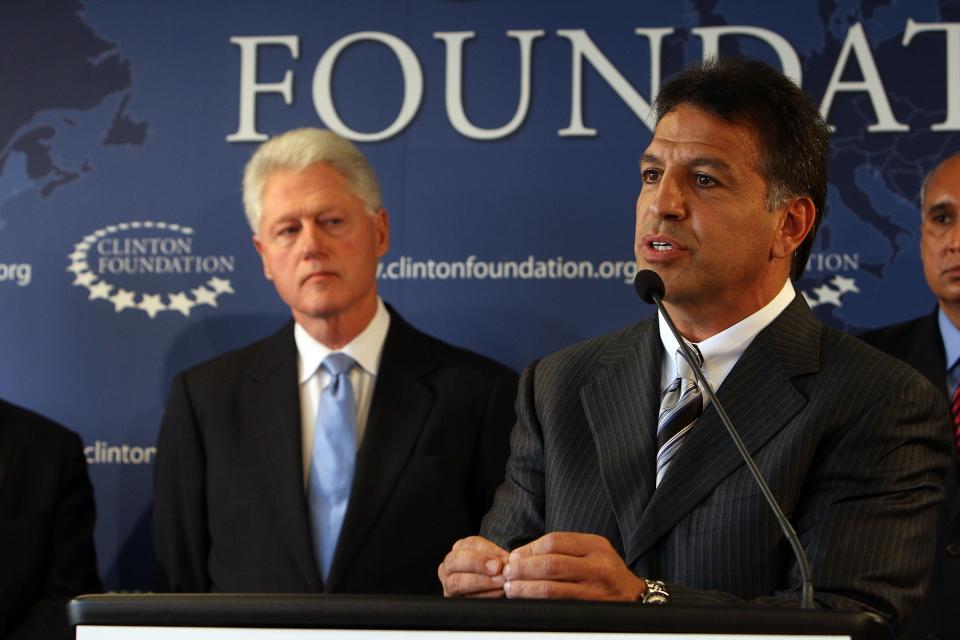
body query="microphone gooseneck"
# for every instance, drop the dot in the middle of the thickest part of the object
(649, 286)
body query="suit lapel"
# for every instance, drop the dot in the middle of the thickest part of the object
(270, 413)
(622, 415)
(925, 352)
(760, 399)
(398, 412)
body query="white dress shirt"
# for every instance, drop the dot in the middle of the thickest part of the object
(722, 351)
(365, 349)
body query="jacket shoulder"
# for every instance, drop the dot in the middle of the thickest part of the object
(404, 338)
(887, 338)
(583, 360)
(34, 430)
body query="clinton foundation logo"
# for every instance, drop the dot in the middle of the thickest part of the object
(149, 267)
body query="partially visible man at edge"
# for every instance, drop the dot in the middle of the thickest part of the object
(47, 515)
(931, 345)
(300, 463)
(608, 496)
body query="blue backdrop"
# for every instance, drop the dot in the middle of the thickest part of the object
(506, 136)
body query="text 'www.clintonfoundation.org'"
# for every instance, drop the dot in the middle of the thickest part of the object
(530, 268)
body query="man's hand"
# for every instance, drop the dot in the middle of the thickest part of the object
(473, 568)
(578, 566)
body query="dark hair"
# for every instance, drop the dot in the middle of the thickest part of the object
(794, 139)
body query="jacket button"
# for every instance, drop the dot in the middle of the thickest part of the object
(953, 547)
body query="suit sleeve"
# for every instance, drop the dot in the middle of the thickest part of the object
(180, 535)
(71, 569)
(868, 518)
(492, 444)
(517, 515)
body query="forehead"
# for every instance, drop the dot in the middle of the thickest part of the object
(290, 181)
(289, 191)
(688, 132)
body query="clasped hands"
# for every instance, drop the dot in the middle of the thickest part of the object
(560, 565)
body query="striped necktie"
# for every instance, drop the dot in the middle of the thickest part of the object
(680, 406)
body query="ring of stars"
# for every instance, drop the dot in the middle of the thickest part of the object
(150, 303)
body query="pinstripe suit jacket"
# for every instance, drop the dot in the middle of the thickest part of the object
(850, 440)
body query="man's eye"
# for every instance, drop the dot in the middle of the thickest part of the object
(704, 180)
(650, 176)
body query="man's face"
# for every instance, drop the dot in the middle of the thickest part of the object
(319, 245)
(702, 221)
(940, 232)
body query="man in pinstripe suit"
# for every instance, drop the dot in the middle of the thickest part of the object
(851, 442)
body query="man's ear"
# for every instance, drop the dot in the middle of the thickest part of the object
(258, 245)
(797, 220)
(382, 225)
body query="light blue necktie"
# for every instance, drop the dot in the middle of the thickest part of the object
(331, 466)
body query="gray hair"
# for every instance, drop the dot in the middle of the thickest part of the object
(298, 149)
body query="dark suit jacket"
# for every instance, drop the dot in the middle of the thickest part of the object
(850, 441)
(918, 343)
(230, 512)
(46, 525)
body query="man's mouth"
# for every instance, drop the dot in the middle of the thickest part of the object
(661, 246)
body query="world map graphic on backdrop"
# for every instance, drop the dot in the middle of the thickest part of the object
(120, 188)
(871, 173)
(71, 69)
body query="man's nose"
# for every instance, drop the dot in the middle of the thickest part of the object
(312, 242)
(667, 198)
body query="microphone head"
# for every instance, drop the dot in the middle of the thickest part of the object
(649, 285)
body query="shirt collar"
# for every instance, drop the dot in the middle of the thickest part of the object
(721, 351)
(951, 339)
(366, 348)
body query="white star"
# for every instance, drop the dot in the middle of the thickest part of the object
(204, 296)
(78, 267)
(828, 295)
(180, 302)
(123, 299)
(84, 279)
(78, 255)
(100, 290)
(151, 304)
(220, 286)
(810, 301)
(845, 285)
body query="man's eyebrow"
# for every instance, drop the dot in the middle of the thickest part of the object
(715, 163)
(650, 158)
(940, 207)
(700, 161)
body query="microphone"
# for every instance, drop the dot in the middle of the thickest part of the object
(649, 286)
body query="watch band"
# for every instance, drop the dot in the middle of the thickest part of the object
(656, 593)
